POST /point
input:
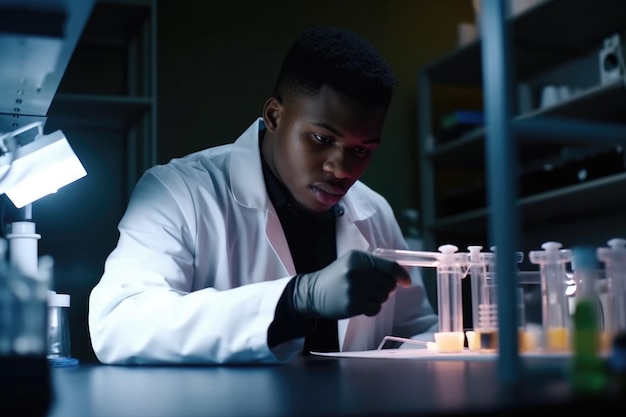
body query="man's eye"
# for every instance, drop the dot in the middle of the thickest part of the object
(322, 139)
(360, 151)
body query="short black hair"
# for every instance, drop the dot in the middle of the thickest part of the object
(340, 58)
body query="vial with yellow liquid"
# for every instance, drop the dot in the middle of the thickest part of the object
(527, 340)
(482, 270)
(554, 302)
(484, 301)
(613, 292)
(450, 338)
(528, 333)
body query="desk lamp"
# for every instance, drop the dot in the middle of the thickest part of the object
(28, 173)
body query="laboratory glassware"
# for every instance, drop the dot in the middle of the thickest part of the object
(554, 301)
(588, 373)
(482, 271)
(59, 345)
(452, 267)
(25, 380)
(614, 258)
(484, 302)
(529, 310)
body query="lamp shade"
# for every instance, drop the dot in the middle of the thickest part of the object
(39, 168)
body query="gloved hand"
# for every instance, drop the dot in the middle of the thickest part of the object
(356, 283)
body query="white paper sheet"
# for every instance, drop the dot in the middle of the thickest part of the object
(426, 354)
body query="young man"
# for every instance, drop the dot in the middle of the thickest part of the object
(259, 250)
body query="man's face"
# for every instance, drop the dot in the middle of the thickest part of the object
(319, 146)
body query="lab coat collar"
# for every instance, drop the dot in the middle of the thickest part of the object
(246, 172)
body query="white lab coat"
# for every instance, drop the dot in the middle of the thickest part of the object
(202, 260)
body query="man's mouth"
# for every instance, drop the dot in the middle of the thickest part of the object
(327, 194)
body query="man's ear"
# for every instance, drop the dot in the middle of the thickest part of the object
(271, 113)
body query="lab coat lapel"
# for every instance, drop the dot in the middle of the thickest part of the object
(349, 236)
(277, 239)
(249, 190)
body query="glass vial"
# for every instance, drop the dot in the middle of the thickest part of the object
(588, 370)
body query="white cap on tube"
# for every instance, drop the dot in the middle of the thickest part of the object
(58, 300)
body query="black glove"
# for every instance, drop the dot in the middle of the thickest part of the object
(356, 283)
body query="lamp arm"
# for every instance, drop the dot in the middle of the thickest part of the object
(23, 243)
(8, 144)
(20, 130)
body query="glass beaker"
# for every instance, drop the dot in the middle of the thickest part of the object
(59, 352)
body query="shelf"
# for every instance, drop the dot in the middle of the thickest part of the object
(600, 103)
(580, 199)
(543, 36)
(113, 112)
(603, 103)
(37, 39)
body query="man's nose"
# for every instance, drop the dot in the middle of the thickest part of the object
(339, 163)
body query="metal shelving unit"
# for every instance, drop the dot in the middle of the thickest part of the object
(544, 135)
(513, 50)
(37, 41)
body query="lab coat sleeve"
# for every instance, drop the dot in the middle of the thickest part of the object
(144, 310)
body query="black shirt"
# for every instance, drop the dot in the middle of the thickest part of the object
(312, 243)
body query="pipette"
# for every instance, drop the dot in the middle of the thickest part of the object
(554, 303)
(409, 257)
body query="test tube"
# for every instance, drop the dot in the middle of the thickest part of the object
(525, 339)
(475, 272)
(588, 369)
(484, 297)
(614, 258)
(450, 337)
(554, 302)
(528, 287)
(484, 301)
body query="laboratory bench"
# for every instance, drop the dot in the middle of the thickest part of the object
(316, 386)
